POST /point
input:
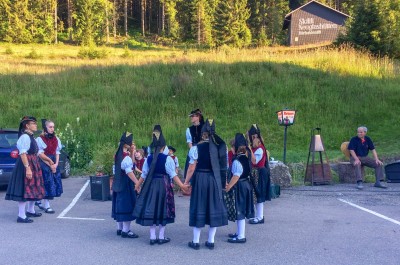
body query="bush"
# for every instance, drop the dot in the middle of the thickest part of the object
(103, 160)
(127, 53)
(92, 53)
(33, 55)
(77, 146)
(9, 51)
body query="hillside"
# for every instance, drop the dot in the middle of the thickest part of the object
(335, 89)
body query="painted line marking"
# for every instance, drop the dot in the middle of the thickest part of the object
(72, 204)
(79, 218)
(371, 212)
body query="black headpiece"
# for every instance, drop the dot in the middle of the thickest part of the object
(254, 130)
(195, 112)
(23, 122)
(118, 183)
(46, 133)
(126, 138)
(170, 147)
(209, 126)
(240, 140)
(158, 137)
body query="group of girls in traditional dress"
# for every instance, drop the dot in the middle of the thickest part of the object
(150, 199)
(36, 177)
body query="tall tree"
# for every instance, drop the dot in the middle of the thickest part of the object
(230, 24)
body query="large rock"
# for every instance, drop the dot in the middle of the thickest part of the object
(280, 174)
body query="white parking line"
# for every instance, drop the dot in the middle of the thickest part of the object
(72, 204)
(371, 212)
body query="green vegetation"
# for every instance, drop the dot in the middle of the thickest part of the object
(335, 89)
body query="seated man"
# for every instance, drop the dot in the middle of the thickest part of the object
(359, 147)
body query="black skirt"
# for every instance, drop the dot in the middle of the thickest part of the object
(206, 205)
(261, 183)
(244, 200)
(157, 206)
(123, 202)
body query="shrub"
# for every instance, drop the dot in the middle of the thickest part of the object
(92, 53)
(103, 160)
(33, 55)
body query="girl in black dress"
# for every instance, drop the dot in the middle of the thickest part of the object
(207, 160)
(124, 194)
(240, 182)
(26, 182)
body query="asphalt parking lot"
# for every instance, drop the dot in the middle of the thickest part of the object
(334, 224)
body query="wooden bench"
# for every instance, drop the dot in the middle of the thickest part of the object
(346, 170)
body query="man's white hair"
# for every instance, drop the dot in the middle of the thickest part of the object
(365, 129)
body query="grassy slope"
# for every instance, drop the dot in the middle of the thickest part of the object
(332, 89)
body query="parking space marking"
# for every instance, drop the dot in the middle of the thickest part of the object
(371, 212)
(72, 204)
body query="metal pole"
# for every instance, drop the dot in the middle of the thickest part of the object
(284, 145)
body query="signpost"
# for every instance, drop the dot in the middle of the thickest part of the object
(285, 118)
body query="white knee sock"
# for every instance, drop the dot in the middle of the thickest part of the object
(260, 210)
(119, 225)
(196, 234)
(153, 232)
(211, 234)
(161, 233)
(46, 204)
(31, 206)
(241, 228)
(21, 209)
(126, 226)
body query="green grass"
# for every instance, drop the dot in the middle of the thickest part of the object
(335, 89)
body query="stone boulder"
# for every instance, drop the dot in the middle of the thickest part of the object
(280, 174)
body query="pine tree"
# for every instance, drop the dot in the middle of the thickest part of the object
(230, 23)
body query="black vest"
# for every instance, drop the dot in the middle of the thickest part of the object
(160, 165)
(244, 160)
(33, 148)
(195, 132)
(203, 160)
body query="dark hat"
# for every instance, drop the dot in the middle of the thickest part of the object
(195, 112)
(126, 138)
(23, 122)
(44, 125)
(240, 140)
(254, 130)
(209, 126)
(158, 137)
(170, 147)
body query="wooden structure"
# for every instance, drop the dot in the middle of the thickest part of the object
(317, 173)
(313, 23)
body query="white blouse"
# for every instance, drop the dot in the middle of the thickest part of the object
(23, 144)
(127, 164)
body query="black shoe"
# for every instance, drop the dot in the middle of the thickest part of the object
(237, 240)
(255, 221)
(164, 240)
(359, 185)
(119, 232)
(209, 245)
(28, 214)
(40, 205)
(128, 234)
(379, 185)
(195, 246)
(232, 235)
(153, 241)
(22, 220)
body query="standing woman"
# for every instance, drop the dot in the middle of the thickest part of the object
(49, 153)
(26, 182)
(155, 205)
(260, 176)
(193, 133)
(124, 194)
(240, 181)
(207, 160)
